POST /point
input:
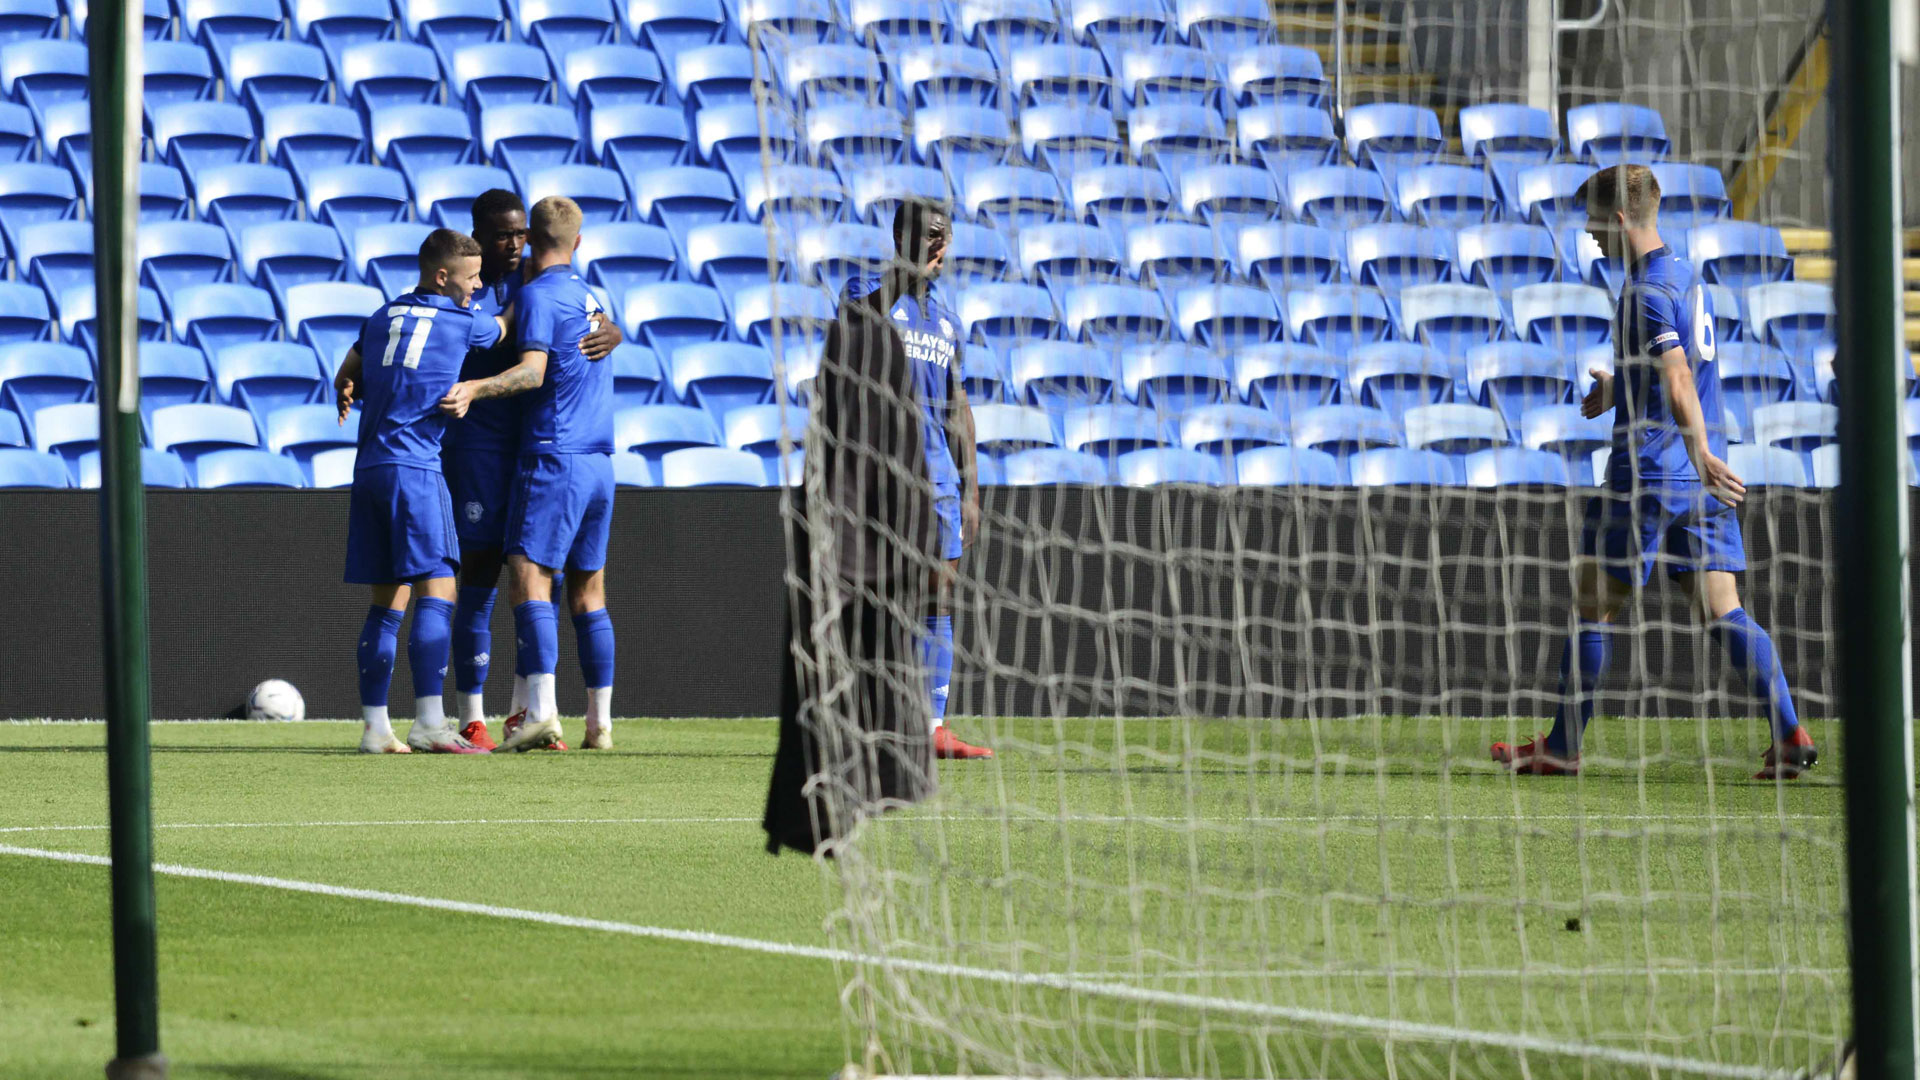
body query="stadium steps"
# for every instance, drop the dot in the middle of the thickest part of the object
(1812, 251)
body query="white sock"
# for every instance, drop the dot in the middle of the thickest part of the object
(374, 719)
(473, 709)
(429, 713)
(599, 708)
(541, 701)
(938, 723)
(519, 699)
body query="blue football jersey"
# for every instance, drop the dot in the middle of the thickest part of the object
(491, 425)
(932, 336)
(411, 352)
(572, 410)
(1663, 306)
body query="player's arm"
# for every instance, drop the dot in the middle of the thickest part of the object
(518, 379)
(602, 339)
(1683, 398)
(960, 441)
(1599, 397)
(345, 381)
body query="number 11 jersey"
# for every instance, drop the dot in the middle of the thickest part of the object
(411, 351)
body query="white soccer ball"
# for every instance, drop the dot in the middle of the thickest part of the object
(276, 699)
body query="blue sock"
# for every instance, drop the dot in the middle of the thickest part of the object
(427, 645)
(538, 637)
(472, 638)
(937, 653)
(378, 642)
(593, 633)
(1595, 646)
(1750, 650)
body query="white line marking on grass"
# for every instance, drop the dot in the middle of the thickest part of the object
(1382, 1026)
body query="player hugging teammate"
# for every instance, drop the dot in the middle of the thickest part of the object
(499, 357)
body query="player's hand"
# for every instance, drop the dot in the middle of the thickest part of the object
(458, 400)
(600, 340)
(970, 519)
(343, 397)
(1720, 481)
(1600, 397)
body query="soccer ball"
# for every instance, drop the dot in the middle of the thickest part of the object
(276, 699)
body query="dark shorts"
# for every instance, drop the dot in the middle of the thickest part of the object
(1679, 525)
(562, 511)
(399, 526)
(481, 483)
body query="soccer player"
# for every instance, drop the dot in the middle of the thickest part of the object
(929, 331)
(482, 455)
(562, 503)
(400, 530)
(1669, 493)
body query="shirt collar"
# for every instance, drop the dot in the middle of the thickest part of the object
(1640, 264)
(421, 299)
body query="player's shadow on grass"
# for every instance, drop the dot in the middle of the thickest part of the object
(259, 1072)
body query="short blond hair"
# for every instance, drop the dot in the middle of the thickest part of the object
(1629, 189)
(554, 223)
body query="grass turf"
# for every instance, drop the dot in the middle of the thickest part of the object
(1378, 868)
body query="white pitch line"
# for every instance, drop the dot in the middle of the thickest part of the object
(1382, 1026)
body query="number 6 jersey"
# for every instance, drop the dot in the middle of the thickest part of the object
(1663, 306)
(411, 351)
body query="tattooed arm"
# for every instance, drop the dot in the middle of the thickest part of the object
(518, 379)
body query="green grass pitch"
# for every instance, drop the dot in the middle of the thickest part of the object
(1707, 904)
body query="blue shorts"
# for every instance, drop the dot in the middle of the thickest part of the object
(1679, 523)
(399, 526)
(481, 483)
(562, 510)
(946, 513)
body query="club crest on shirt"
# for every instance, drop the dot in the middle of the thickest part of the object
(474, 512)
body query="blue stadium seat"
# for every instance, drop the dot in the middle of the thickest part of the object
(1336, 318)
(305, 139)
(637, 376)
(267, 377)
(846, 137)
(1769, 466)
(66, 136)
(12, 433)
(1005, 27)
(330, 468)
(1176, 138)
(1561, 430)
(1276, 74)
(1224, 26)
(830, 254)
(1052, 465)
(977, 254)
(1739, 254)
(671, 27)
(1729, 317)
(1117, 26)
(608, 76)
(721, 376)
(713, 76)
(176, 255)
(447, 26)
(77, 307)
(1507, 139)
(174, 71)
(600, 193)
(1395, 376)
(66, 432)
(797, 363)
(764, 430)
(328, 316)
(1288, 379)
(632, 470)
(1795, 425)
(1543, 195)
(796, 196)
(41, 74)
(1174, 256)
(1001, 315)
(34, 193)
(1288, 466)
(1231, 317)
(683, 198)
(802, 311)
(24, 315)
(1336, 196)
(267, 75)
(199, 135)
(1115, 312)
(56, 255)
(1390, 467)
(711, 466)
(387, 257)
(246, 468)
(1455, 428)
(623, 256)
(1389, 137)
(1515, 378)
(222, 24)
(301, 431)
(1796, 317)
(945, 74)
(1391, 257)
(1060, 73)
(500, 73)
(377, 75)
(817, 76)
(30, 469)
(1062, 255)
(279, 256)
(1583, 261)
(963, 139)
(1445, 196)
(1567, 317)
(163, 192)
(734, 138)
(874, 194)
(1174, 379)
(445, 196)
(157, 469)
(894, 27)
(1111, 430)
(172, 375)
(1001, 429)
(1168, 465)
(334, 26)
(1285, 137)
(1068, 138)
(28, 20)
(1224, 430)
(1504, 257)
(797, 21)
(524, 139)
(1515, 466)
(1229, 199)
(1117, 199)
(193, 430)
(731, 256)
(1170, 75)
(1059, 375)
(214, 317)
(238, 197)
(1614, 134)
(1826, 466)
(17, 132)
(1690, 195)
(1342, 430)
(1752, 374)
(1452, 318)
(668, 315)
(1282, 256)
(636, 139)
(654, 430)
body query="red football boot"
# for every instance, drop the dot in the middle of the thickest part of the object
(1534, 759)
(476, 733)
(948, 745)
(1787, 760)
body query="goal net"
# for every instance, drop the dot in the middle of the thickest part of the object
(1276, 396)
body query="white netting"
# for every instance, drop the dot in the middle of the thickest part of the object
(1241, 655)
